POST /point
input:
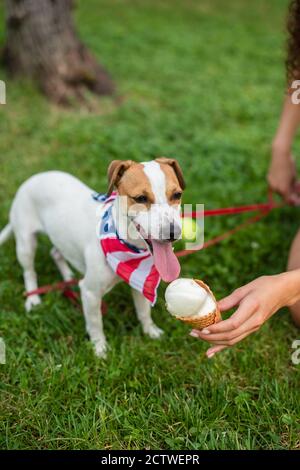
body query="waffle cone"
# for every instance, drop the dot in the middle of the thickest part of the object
(202, 322)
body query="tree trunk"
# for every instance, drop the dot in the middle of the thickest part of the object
(42, 44)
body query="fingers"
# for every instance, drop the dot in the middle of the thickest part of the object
(215, 349)
(232, 339)
(291, 194)
(297, 186)
(283, 190)
(246, 309)
(286, 195)
(280, 189)
(231, 300)
(294, 197)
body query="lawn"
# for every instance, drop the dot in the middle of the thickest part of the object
(201, 81)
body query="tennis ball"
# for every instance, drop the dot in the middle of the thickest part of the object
(189, 229)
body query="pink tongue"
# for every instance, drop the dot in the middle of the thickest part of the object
(165, 261)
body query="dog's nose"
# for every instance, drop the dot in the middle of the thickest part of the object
(172, 232)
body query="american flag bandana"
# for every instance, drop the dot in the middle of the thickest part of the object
(135, 266)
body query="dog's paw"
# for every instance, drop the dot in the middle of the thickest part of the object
(32, 302)
(101, 349)
(153, 331)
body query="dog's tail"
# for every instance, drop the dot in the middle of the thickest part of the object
(5, 234)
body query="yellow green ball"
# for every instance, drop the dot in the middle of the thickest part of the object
(189, 229)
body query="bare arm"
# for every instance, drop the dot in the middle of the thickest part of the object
(288, 125)
(282, 171)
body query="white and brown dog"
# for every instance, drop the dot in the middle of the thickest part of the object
(61, 206)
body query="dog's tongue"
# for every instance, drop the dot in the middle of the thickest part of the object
(165, 261)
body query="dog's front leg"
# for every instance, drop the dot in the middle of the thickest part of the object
(91, 301)
(143, 311)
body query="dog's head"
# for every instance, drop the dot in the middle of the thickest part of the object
(152, 194)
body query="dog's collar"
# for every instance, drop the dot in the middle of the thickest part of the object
(130, 246)
(103, 197)
(107, 215)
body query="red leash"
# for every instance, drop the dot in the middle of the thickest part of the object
(263, 210)
(264, 207)
(223, 236)
(63, 286)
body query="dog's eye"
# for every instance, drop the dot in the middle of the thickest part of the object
(141, 199)
(176, 196)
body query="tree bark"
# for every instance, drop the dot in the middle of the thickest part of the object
(42, 44)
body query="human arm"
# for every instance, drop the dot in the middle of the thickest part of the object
(282, 176)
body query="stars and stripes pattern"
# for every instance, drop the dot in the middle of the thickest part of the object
(135, 266)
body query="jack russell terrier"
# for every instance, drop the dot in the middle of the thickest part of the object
(137, 224)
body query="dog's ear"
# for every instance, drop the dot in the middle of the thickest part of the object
(115, 172)
(176, 167)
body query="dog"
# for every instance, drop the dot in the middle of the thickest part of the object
(146, 201)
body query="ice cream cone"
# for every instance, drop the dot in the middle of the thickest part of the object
(201, 322)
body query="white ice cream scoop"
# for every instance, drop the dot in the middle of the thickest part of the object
(192, 301)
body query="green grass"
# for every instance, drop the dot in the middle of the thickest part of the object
(202, 82)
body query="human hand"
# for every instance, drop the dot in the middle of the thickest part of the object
(257, 302)
(282, 175)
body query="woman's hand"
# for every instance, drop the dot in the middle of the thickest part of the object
(257, 302)
(282, 175)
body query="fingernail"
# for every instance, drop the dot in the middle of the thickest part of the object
(205, 331)
(210, 355)
(194, 334)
